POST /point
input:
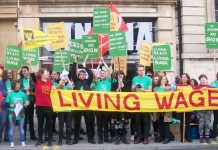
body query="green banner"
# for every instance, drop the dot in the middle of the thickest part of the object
(101, 20)
(76, 47)
(117, 40)
(13, 57)
(32, 55)
(59, 62)
(161, 57)
(211, 35)
(91, 46)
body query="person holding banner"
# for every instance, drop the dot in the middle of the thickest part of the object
(214, 84)
(83, 84)
(119, 121)
(16, 101)
(55, 77)
(155, 88)
(5, 87)
(204, 116)
(142, 83)
(43, 86)
(103, 84)
(164, 118)
(27, 86)
(65, 116)
(184, 85)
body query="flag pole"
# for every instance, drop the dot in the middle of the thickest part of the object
(62, 59)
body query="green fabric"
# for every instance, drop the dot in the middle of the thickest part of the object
(8, 84)
(55, 83)
(14, 97)
(145, 82)
(103, 85)
(81, 88)
(214, 85)
(160, 89)
(25, 82)
(93, 86)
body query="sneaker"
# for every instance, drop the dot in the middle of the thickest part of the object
(207, 140)
(201, 140)
(132, 137)
(23, 144)
(12, 145)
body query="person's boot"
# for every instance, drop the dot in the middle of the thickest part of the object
(60, 140)
(166, 141)
(117, 139)
(68, 137)
(125, 141)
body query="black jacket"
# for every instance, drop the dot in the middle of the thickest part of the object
(78, 82)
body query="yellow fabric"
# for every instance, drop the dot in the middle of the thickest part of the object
(181, 101)
(34, 38)
(58, 30)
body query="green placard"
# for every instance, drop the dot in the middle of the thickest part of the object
(76, 47)
(211, 35)
(32, 55)
(101, 20)
(117, 40)
(91, 46)
(13, 57)
(161, 57)
(58, 61)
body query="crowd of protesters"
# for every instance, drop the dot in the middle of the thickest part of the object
(20, 99)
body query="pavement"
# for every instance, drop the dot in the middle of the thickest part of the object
(83, 145)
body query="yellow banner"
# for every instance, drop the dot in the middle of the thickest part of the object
(181, 101)
(34, 38)
(114, 22)
(58, 30)
(122, 63)
(145, 53)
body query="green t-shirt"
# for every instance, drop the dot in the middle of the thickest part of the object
(25, 82)
(55, 83)
(145, 81)
(8, 85)
(93, 86)
(19, 97)
(160, 89)
(214, 85)
(104, 85)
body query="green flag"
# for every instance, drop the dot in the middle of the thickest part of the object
(101, 20)
(161, 57)
(59, 62)
(32, 55)
(13, 57)
(76, 47)
(117, 41)
(211, 35)
(91, 46)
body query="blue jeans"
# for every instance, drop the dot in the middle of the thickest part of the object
(21, 129)
(4, 123)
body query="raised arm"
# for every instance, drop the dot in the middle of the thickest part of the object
(97, 71)
(74, 69)
(32, 74)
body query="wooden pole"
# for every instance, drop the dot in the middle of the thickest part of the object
(183, 133)
(62, 59)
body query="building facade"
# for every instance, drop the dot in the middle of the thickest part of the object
(147, 20)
